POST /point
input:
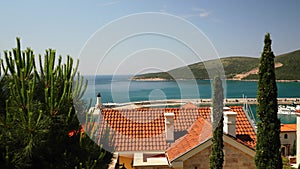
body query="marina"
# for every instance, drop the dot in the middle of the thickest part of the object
(202, 102)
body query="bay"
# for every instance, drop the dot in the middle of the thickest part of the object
(121, 89)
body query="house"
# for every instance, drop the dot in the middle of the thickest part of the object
(287, 138)
(165, 138)
(176, 138)
(193, 149)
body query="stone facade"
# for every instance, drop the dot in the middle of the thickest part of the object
(200, 160)
(234, 158)
(287, 140)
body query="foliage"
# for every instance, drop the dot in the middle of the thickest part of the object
(217, 155)
(268, 126)
(233, 66)
(39, 114)
(290, 63)
(285, 163)
(163, 75)
(294, 148)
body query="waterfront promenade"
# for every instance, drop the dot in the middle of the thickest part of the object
(285, 101)
(200, 102)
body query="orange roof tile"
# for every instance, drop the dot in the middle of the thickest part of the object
(200, 131)
(144, 129)
(244, 131)
(288, 127)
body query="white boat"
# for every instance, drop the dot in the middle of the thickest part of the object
(297, 107)
(287, 110)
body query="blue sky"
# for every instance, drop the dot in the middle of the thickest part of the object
(234, 28)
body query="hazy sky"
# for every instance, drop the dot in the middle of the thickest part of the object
(116, 37)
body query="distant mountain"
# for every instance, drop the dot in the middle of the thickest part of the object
(238, 68)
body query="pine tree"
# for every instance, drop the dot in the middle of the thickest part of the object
(217, 155)
(39, 114)
(268, 154)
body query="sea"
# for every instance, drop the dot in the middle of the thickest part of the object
(121, 89)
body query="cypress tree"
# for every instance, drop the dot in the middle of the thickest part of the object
(294, 148)
(268, 126)
(216, 157)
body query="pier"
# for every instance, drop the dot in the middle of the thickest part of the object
(284, 101)
(199, 102)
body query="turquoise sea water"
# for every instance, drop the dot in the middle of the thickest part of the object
(120, 89)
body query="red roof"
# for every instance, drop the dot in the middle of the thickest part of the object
(288, 127)
(199, 132)
(244, 131)
(144, 129)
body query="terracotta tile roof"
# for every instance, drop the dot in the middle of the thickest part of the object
(288, 127)
(244, 132)
(200, 131)
(144, 129)
(134, 130)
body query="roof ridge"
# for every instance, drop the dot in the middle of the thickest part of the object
(196, 135)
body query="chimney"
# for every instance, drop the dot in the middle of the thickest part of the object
(229, 122)
(99, 101)
(169, 126)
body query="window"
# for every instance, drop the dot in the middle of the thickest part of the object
(285, 136)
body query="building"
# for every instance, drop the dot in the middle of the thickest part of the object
(192, 150)
(167, 138)
(287, 138)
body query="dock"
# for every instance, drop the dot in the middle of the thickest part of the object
(199, 102)
(283, 101)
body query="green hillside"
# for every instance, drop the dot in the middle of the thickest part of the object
(291, 66)
(290, 70)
